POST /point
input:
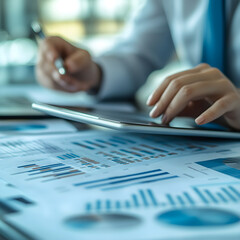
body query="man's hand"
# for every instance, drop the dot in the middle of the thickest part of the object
(200, 83)
(82, 73)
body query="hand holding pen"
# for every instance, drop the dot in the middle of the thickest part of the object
(64, 67)
(37, 29)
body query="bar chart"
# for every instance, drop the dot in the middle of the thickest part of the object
(218, 193)
(123, 181)
(209, 195)
(46, 173)
(128, 149)
(18, 148)
(109, 149)
(122, 151)
(99, 150)
(142, 198)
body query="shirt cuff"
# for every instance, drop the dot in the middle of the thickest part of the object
(116, 82)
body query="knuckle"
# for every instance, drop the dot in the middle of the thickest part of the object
(223, 103)
(168, 79)
(86, 54)
(204, 65)
(176, 84)
(216, 72)
(186, 91)
(226, 84)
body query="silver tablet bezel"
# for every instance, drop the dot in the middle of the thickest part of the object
(129, 127)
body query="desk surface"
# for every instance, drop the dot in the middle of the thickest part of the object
(101, 184)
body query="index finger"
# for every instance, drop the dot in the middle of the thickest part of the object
(55, 47)
(155, 96)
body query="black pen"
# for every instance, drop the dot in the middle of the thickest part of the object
(37, 29)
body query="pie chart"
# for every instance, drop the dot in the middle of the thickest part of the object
(198, 217)
(106, 221)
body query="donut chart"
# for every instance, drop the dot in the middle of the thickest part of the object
(104, 221)
(198, 217)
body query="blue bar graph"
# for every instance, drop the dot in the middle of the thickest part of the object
(235, 191)
(127, 204)
(201, 195)
(229, 194)
(123, 181)
(118, 205)
(135, 200)
(98, 205)
(211, 196)
(218, 193)
(188, 198)
(88, 207)
(170, 199)
(108, 204)
(143, 198)
(152, 197)
(180, 200)
(146, 198)
(222, 198)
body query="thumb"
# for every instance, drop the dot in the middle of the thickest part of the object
(78, 61)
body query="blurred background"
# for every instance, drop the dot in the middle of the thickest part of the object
(93, 23)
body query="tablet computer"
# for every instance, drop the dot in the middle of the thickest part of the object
(137, 122)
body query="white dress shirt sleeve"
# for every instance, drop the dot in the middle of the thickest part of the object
(146, 46)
